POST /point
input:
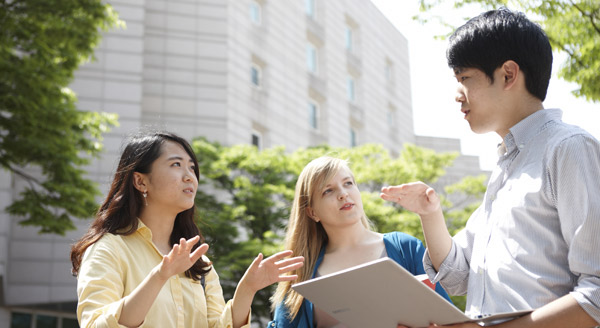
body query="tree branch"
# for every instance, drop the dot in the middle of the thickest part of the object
(585, 14)
(30, 179)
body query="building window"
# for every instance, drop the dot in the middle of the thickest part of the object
(309, 7)
(391, 117)
(256, 139)
(353, 142)
(311, 58)
(29, 320)
(256, 75)
(255, 12)
(349, 39)
(389, 71)
(351, 89)
(313, 115)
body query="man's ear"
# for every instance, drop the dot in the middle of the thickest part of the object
(139, 181)
(311, 214)
(511, 73)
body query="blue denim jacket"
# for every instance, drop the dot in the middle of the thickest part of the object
(406, 250)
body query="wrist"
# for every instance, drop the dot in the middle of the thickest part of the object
(244, 288)
(158, 275)
(432, 216)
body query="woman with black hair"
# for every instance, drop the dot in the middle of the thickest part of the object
(141, 262)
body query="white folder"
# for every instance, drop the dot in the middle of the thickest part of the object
(382, 294)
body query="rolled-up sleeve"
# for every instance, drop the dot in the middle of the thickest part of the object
(575, 176)
(100, 288)
(453, 273)
(219, 313)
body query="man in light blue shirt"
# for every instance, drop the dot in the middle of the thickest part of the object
(534, 243)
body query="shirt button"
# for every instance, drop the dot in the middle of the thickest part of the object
(179, 308)
(480, 271)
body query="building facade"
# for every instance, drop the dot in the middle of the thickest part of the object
(266, 72)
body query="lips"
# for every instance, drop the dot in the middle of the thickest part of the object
(347, 206)
(188, 190)
(465, 111)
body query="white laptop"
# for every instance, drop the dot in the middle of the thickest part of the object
(382, 294)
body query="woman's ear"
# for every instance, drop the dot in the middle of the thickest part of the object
(139, 181)
(311, 214)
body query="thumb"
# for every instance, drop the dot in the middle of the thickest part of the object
(254, 265)
(431, 195)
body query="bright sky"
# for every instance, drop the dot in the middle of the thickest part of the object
(433, 86)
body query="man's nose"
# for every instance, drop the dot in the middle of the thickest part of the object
(460, 95)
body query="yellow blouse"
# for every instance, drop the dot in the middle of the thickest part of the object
(115, 265)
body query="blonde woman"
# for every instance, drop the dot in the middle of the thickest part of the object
(329, 228)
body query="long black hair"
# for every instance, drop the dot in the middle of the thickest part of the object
(119, 212)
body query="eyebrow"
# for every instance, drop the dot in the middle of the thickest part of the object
(176, 157)
(458, 70)
(343, 179)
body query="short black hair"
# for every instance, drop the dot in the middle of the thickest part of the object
(487, 41)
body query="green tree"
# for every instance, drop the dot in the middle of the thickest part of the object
(573, 27)
(245, 197)
(44, 139)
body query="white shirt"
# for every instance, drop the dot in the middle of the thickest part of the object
(536, 236)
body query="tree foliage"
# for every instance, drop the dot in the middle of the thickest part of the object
(245, 196)
(44, 139)
(573, 26)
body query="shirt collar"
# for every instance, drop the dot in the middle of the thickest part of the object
(527, 128)
(144, 230)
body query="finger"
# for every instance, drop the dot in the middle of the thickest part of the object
(430, 192)
(393, 189)
(193, 241)
(290, 261)
(197, 254)
(175, 250)
(256, 262)
(278, 256)
(389, 197)
(287, 278)
(290, 267)
(183, 245)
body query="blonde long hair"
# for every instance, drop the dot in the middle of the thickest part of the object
(305, 236)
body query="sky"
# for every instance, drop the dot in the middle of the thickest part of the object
(433, 85)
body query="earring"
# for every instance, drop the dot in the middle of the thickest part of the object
(145, 194)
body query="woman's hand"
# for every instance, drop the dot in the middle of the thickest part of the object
(264, 272)
(416, 197)
(180, 258)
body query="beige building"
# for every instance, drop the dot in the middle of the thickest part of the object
(267, 72)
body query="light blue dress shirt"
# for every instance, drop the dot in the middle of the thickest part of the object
(536, 236)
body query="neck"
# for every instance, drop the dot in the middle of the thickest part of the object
(349, 237)
(161, 225)
(521, 110)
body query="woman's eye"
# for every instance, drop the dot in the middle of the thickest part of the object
(176, 164)
(349, 183)
(326, 191)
